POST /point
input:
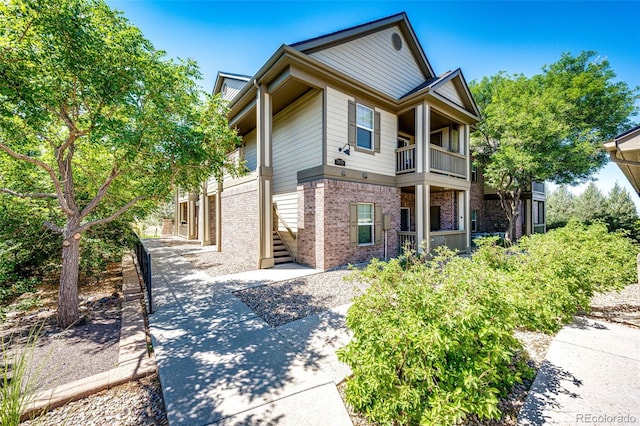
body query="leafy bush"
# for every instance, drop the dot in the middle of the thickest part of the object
(549, 277)
(433, 337)
(28, 251)
(432, 342)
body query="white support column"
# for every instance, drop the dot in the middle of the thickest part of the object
(265, 176)
(203, 221)
(467, 210)
(421, 142)
(423, 203)
(219, 217)
(176, 213)
(467, 147)
(191, 216)
(426, 125)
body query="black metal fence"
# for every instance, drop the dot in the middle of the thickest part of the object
(144, 261)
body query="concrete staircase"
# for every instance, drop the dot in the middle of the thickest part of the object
(280, 252)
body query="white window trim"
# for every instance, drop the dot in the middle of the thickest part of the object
(372, 224)
(370, 130)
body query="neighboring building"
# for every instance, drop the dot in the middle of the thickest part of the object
(487, 216)
(624, 150)
(354, 147)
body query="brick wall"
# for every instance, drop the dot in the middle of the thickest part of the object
(323, 238)
(446, 200)
(212, 218)
(240, 221)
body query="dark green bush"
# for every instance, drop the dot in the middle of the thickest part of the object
(550, 276)
(433, 338)
(432, 342)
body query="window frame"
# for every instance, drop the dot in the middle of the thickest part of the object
(370, 224)
(359, 126)
(474, 220)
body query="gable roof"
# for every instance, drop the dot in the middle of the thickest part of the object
(339, 37)
(224, 75)
(463, 99)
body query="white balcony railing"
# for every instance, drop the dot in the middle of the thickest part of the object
(406, 240)
(406, 159)
(451, 163)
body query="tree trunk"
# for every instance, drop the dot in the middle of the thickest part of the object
(68, 311)
(509, 204)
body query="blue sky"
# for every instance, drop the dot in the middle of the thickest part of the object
(480, 37)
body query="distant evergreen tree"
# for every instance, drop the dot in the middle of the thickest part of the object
(560, 207)
(620, 210)
(591, 205)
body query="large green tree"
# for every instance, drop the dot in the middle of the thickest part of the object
(548, 127)
(97, 120)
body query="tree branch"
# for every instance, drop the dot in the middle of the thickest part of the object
(32, 195)
(101, 193)
(53, 227)
(114, 216)
(45, 167)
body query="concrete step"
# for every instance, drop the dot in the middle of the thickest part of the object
(279, 260)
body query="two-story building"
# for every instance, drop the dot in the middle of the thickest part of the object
(354, 146)
(487, 216)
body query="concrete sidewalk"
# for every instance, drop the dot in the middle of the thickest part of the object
(591, 375)
(219, 363)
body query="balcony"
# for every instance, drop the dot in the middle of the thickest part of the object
(442, 161)
(450, 163)
(456, 240)
(405, 159)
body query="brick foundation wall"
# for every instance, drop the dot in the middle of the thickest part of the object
(323, 234)
(240, 221)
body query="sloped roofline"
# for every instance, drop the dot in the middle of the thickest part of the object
(432, 84)
(629, 132)
(222, 75)
(352, 33)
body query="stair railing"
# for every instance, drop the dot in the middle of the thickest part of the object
(277, 218)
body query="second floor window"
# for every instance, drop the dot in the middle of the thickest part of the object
(364, 127)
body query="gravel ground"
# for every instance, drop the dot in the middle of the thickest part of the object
(282, 302)
(219, 263)
(132, 404)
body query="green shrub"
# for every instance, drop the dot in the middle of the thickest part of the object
(549, 277)
(433, 337)
(432, 342)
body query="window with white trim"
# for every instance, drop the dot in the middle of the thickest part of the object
(365, 224)
(364, 127)
(474, 220)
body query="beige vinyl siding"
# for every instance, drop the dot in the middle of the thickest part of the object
(449, 91)
(373, 60)
(382, 162)
(251, 150)
(233, 87)
(296, 141)
(287, 204)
